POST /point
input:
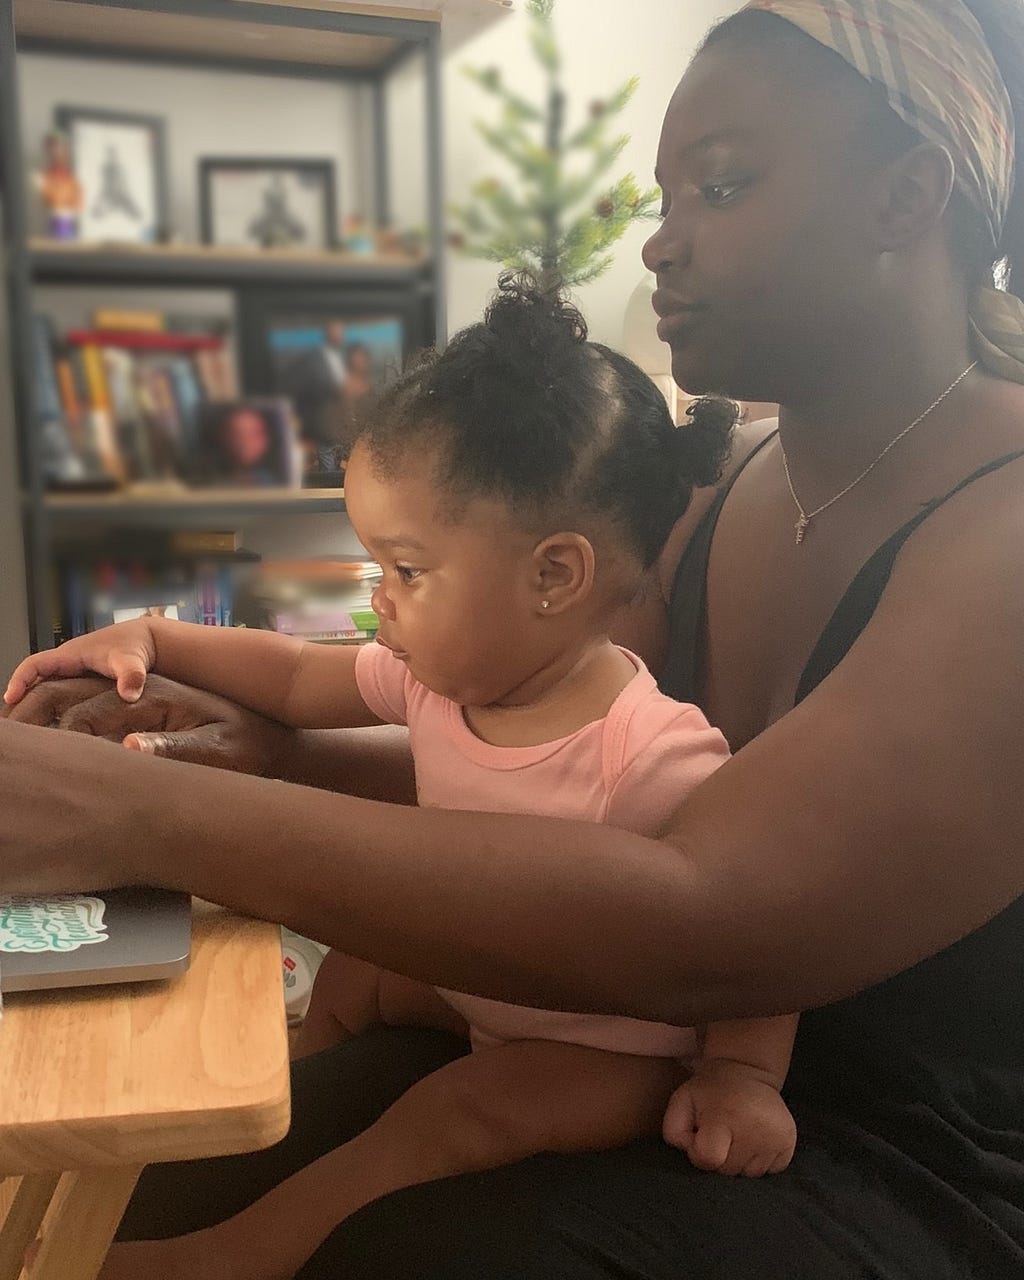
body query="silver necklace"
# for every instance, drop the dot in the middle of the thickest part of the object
(805, 517)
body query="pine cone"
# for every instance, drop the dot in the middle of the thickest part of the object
(605, 208)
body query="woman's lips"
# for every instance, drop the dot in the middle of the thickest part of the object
(676, 316)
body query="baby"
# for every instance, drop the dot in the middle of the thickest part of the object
(515, 490)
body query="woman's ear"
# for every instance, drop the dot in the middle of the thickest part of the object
(913, 195)
(563, 572)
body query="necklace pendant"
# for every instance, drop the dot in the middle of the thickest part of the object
(801, 528)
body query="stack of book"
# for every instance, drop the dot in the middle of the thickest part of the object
(188, 575)
(324, 598)
(120, 401)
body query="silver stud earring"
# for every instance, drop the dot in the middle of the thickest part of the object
(545, 604)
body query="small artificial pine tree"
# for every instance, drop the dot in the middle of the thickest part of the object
(556, 225)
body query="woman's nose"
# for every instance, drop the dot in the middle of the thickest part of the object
(380, 603)
(666, 248)
(655, 252)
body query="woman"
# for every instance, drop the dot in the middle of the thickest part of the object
(851, 615)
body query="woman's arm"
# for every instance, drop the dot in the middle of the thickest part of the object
(181, 723)
(875, 824)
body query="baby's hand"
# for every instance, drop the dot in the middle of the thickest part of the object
(124, 652)
(729, 1118)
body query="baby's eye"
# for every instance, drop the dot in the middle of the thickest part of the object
(407, 573)
(718, 194)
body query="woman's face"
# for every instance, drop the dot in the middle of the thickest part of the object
(762, 260)
(246, 438)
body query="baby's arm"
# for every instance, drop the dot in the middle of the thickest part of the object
(729, 1116)
(304, 685)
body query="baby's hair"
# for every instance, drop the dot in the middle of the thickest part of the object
(522, 408)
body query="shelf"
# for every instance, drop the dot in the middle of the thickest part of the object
(156, 506)
(206, 266)
(105, 28)
(334, 35)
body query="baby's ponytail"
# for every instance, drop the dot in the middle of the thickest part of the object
(702, 448)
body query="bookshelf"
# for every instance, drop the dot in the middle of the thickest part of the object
(56, 262)
(346, 45)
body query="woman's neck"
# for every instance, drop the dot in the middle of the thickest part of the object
(849, 411)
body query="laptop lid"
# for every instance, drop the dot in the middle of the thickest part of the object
(73, 940)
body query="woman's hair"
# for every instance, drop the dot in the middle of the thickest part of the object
(1002, 22)
(521, 407)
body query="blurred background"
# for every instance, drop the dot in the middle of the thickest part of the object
(227, 224)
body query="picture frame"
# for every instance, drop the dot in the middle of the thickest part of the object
(268, 202)
(120, 160)
(284, 336)
(250, 443)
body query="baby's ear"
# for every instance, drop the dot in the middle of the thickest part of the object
(563, 566)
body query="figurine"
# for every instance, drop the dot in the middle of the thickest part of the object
(357, 237)
(59, 189)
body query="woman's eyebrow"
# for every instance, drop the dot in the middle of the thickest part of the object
(400, 540)
(715, 138)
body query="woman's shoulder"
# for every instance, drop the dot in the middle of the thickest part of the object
(749, 435)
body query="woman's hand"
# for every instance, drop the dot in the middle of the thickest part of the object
(168, 719)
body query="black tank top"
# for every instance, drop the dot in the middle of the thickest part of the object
(926, 1070)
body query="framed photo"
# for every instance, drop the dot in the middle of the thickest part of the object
(120, 161)
(268, 204)
(331, 357)
(247, 444)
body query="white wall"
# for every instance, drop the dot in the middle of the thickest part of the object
(604, 42)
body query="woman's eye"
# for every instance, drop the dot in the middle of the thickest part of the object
(721, 193)
(407, 573)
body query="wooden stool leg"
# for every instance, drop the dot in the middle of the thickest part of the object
(80, 1225)
(23, 1220)
(8, 1190)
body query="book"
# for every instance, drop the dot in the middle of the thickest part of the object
(96, 590)
(198, 541)
(70, 402)
(128, 318)
(100, 415)
(143, 340)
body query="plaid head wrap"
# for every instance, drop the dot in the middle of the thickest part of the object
(931, 59)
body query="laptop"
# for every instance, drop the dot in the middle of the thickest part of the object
(76, 940)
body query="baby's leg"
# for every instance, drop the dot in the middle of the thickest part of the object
(504, 1104)
(487, 1109)
(350, 996)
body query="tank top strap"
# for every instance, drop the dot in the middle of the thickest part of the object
(855, 609)
(687, 600)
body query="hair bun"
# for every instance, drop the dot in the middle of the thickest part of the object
(704, 446)
(525, 317)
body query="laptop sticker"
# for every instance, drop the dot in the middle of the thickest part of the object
(61, 923)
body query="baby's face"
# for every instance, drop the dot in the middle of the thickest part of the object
(458, 599)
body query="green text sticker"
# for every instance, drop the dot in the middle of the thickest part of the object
(62, 923)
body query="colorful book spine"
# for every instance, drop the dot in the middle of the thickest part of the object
(100, 416)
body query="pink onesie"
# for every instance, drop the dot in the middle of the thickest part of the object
(630, 769)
